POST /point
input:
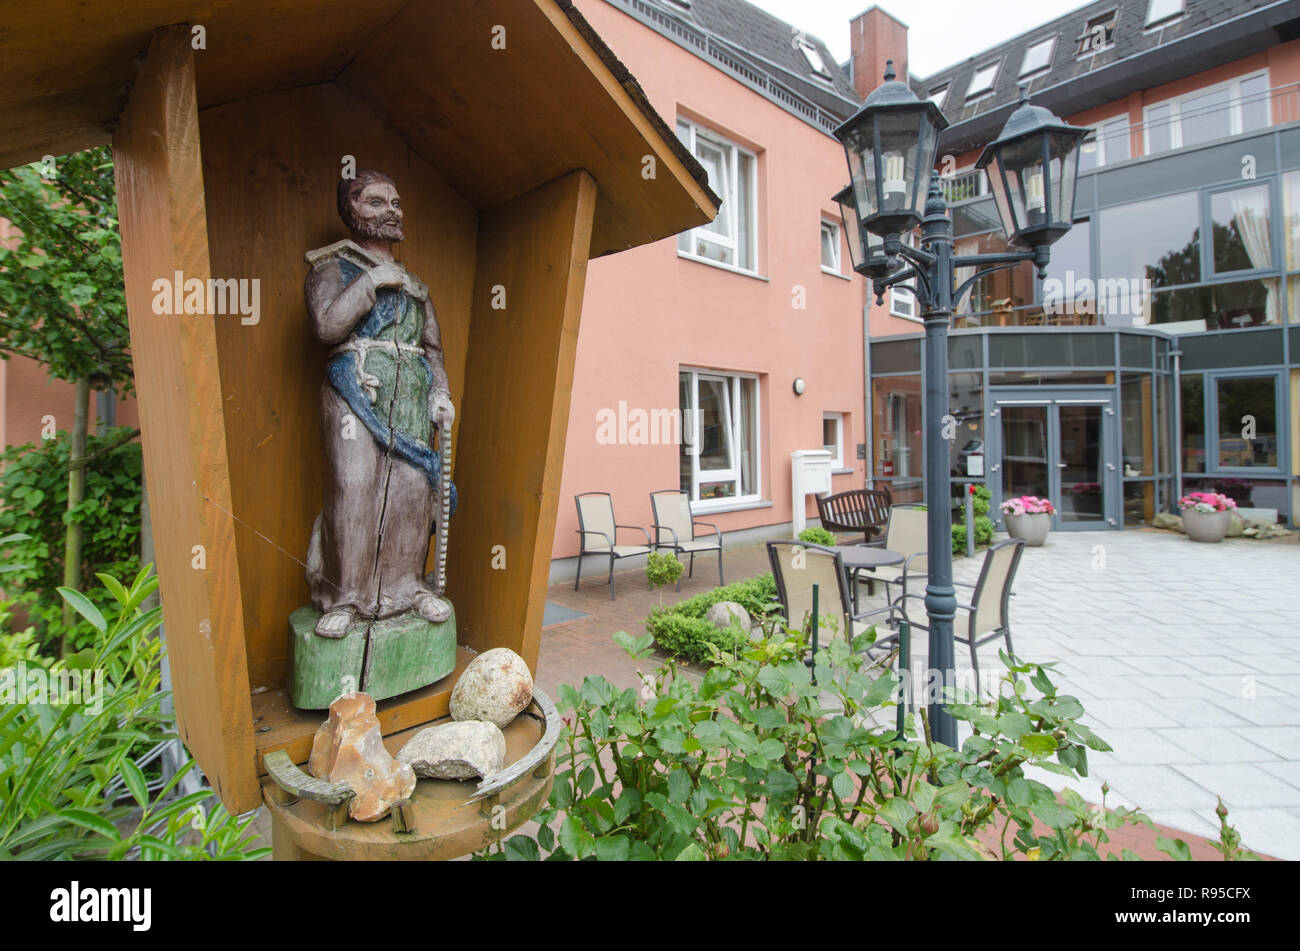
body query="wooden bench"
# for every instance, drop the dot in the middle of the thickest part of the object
(857, 510)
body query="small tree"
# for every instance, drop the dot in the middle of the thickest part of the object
(662, 569)
(62, 297)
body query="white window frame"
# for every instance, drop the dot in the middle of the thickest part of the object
(1167, 15)
(904, 305)
(1175, 110)
(724, 475)
(837, 243)
(973, 93)
(1101, 137)
(837, 455)
(1101, 20)
(731, 240)
(1050, 43)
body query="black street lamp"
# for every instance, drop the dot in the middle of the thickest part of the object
(1032, 166)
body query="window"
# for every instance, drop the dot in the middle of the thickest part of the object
(1038, 57)
(1158, 239)
(902, 303)
(1291, 219)
(1160, 10)
(939, 95)
(1246, 425)
(1239, 219)
(719, 460)
(1231, 108)
(983, 81)
(833, 438)
(831, 247)
(1098, 34)
(1107, 145)
(814, 57)
(731, 238)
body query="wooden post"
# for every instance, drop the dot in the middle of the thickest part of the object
(532, 267)
(164, 231)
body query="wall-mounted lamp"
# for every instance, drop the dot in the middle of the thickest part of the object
(799, 386)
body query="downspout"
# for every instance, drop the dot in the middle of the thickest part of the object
(1176, 441)
(868, 480)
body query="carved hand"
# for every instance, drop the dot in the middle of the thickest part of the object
(440, 409)
(387, 275)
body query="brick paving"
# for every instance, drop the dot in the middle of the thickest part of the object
(1196, 690)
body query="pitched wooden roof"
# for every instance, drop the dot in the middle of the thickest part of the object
(499, 113)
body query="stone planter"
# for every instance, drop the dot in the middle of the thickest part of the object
(1031, 528)
(1206, 526)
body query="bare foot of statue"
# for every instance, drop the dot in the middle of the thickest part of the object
(335, 623)
(433, 608)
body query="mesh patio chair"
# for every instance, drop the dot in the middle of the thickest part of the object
(905, 533)
(797, 566)
(674, 528)
(988, 615)
(598, 533)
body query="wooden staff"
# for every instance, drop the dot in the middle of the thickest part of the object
(444, 447)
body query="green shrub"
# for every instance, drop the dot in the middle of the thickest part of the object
(757, 760)
(70, 787)
(682, 628)
(34, 502)
(980, 501)
(662, 568)
(816, 535)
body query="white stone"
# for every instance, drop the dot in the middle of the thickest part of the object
(456, 750)
(724, 614)
(496, 687)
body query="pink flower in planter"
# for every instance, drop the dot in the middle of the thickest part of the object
(1028, 505)
(1206, 502)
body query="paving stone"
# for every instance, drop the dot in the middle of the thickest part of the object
(1136, 745)
(1127, 713)
(1214, 744)
(1154, 786)
(1242, 785)
(1281, 740)
(1274, 832)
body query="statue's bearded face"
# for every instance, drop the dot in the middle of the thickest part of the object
(377, 213)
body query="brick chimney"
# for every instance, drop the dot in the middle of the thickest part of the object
(876, 36)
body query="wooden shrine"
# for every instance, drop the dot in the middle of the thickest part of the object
(521, 146)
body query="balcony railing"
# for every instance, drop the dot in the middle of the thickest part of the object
(964, 185)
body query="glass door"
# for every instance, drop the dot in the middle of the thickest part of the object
(1059, 446)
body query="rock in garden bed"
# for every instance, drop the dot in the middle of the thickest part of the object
(496, 687)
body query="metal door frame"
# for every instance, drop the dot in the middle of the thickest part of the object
(1053, 397)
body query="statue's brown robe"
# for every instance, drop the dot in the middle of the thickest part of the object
(378, 509)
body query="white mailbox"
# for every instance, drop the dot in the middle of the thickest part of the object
(810, 474)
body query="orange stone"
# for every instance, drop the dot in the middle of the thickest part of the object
(348, 748)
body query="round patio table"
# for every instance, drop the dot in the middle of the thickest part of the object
(858, 557)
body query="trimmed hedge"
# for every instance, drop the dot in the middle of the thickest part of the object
(683, 629)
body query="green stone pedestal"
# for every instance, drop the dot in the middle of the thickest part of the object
(405, 653)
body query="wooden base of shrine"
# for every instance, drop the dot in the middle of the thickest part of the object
(446, 824)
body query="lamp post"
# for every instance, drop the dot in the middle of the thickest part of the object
(1032, 166)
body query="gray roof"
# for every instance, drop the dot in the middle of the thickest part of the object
(1206, 34)
(756, 48)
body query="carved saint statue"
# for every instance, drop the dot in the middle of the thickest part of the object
(385, 393)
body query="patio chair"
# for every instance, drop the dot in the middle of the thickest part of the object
(797, 566)
(856, 510)
(674, 528)
(905, 533)
(598, 533)
(988, 613)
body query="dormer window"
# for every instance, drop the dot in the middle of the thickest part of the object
(983, 81)
(1158, 11)
(1098, 34)
(814, 57)
(1038, 58)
